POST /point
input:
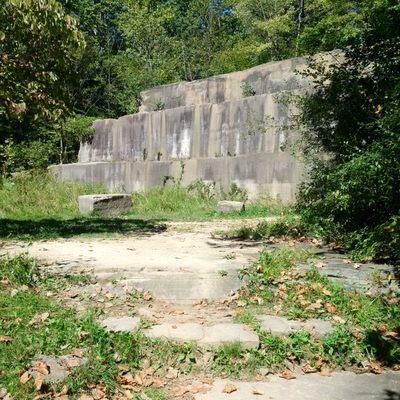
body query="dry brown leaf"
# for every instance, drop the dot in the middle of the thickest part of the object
(180, 391)
(229, 388)
(287, 375)
(391, 334)
(41, 367)
(6, 339)
(85, 396)
(325, 371)
(338, 320)
(98, 394)
(320, 264)
(128, 394)
(77, 352)
(375, 367)
(72, 362)
(38, 318)
(82, 334)
(25, 377)
(38, 381)
(147, 296)
(172, 373)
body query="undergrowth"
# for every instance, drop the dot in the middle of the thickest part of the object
(366, 326)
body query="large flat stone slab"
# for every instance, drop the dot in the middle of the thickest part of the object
(280, 326)
(209, 336)
(178, 265)
(339, 386)
(121, 324)
(105, 204)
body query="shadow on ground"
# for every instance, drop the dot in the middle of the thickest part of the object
(51, 228)
(390, 395)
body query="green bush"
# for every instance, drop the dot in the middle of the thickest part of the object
(353, 117)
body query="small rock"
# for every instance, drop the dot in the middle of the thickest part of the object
(226, 206)
(121, 324)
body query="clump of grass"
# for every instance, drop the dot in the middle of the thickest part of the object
(287, 226)
(196, 202)
(21, 270)
(39, 195)
(366, 326)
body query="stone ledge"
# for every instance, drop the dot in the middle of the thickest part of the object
(208, 336)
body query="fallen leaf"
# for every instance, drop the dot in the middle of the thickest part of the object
(320, 264)
(229, 388)
(338, 320)
(98, 394)
(180, 391)
(6, 339)
(38, 381)
(85, 396)
(38, 318)
(40, 367)
(287, 375)
(391, 334)
(25, 377)
(147, 296)
(325, 371)
(375, 367)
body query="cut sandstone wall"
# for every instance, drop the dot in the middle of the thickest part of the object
(221, 135)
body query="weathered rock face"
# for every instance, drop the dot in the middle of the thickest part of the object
(221, 134)
(105, 204)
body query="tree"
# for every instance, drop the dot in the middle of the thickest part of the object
(353, 117)
(39, 44)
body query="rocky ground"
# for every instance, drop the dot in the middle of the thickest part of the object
(181, 284)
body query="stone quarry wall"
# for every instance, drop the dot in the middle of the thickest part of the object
(221, 135)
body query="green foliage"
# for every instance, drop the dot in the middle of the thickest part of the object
(38, 44)
(363, 321)
(287, 226)
(34, 195)
(20, 270)
(354, 117)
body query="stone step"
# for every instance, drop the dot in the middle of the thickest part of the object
(209, 336)
(339, 386)
(280, 326)
(121, 324)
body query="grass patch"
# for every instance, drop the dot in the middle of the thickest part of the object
(287, 226)
(366, 327)
(36, 206)
(62, 331)
(195, 203)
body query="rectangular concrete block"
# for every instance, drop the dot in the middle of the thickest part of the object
(226, 206)
(105, 204)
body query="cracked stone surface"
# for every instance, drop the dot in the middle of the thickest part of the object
(121, 324)
(339, 386)
(179, 265)
(213, 335)
(280, 326)
(59, 366)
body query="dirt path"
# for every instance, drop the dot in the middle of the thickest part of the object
(181, 264)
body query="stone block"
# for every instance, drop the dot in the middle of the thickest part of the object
(279, 326)
(121, 324)
(208, 336)
(105, 204)
(187, 332)
(226, 333)
(226, 206)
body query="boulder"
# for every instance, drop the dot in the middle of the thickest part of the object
(227, 206)
(105, 204)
